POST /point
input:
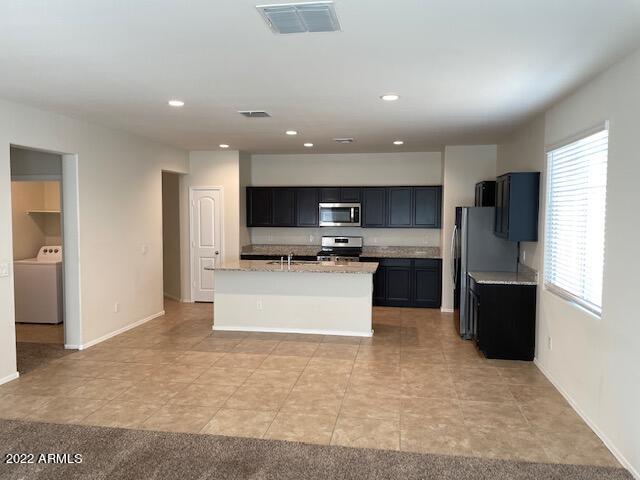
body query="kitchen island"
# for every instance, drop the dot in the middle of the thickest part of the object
(327, 298)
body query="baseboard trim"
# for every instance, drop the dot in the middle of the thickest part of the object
(117, 332)
(8, 378)
(446, 310)
(608, 443)
(304, 331)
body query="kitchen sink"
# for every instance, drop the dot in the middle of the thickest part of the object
(295, 262)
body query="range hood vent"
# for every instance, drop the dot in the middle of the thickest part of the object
(254, 113)
(300, 17)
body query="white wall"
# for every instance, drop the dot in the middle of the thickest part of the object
(214, 169)
(120, 211)
(245, 179)
(595, 361)
(463, 167)
(358, 169)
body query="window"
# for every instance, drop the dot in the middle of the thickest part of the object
(574, 236)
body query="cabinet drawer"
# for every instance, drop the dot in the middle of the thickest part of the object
(395, 262)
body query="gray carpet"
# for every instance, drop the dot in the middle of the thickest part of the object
(111, 453)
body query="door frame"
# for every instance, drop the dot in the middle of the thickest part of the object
(70, 232)
(193, 189)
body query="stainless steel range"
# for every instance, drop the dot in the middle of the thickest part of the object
(340, 249)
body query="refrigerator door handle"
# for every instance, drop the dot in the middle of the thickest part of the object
(453, 254)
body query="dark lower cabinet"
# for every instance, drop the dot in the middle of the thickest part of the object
(405, 282)
(398, 282)
(505, 319)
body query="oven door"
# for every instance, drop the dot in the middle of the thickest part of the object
(339, 215)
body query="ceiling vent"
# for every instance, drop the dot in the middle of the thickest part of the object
(344, 140)
(254, 113)
(300, 17)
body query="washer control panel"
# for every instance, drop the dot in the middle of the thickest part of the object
(50, 253)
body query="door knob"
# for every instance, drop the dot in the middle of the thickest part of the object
(217, 252)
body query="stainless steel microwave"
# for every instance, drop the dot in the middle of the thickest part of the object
(339, 215)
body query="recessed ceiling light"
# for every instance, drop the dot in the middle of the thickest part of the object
(176, 103)
(223, 145)
(398, 142)
(308, 145)
(389, 97)
(291, 132)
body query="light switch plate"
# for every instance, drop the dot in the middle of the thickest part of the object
(4, 269)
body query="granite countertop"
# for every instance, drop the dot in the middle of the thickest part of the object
(523, 277)
(367, 251)
(303, 267)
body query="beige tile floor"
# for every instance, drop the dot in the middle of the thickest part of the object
(413, 386)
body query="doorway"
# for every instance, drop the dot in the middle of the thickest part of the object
(171, 259)
(206, 240)
(46, 279)
(36, 207)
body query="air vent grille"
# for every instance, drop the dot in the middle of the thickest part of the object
(300, 17)
(254, 113)
(344, 140)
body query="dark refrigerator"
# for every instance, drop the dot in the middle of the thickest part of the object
(475, 248)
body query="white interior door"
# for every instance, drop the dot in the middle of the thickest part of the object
(206, 241)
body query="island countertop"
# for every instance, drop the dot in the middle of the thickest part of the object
(296, 267)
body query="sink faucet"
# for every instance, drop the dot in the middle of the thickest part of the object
(289, 258)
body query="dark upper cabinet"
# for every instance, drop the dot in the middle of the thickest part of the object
(373, 208)
(307, 200)
(284, 207)
(350, 194)
(399, 207)
(485, 194)
(516, 212)
(259, 206)
(340, 194)
(330, 194)
(427, 207)
(394, 207)
(427, 282)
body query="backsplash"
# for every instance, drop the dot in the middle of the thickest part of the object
(371, 236)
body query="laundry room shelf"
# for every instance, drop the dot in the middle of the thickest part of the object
(30, 212)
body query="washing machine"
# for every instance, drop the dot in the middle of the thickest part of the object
(38, 287)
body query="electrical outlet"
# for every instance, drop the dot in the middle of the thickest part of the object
(550, 343)
(4, 269)
(259, 304)
(524, 256)
(116, 307)
(144, 249)
(310, 238)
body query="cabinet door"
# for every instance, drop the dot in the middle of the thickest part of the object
(497, 224)
(379, 290)
(284, 207)
(427, 283)
(398, 285)
(350, 194)
(307, 207)
(399, 206)
(259, 206)
(427, 207)
(373, 207)
(504, 227)
(330, 194)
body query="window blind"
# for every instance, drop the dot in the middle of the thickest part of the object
(575, 220)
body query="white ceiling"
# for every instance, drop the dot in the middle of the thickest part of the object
(467, 70)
